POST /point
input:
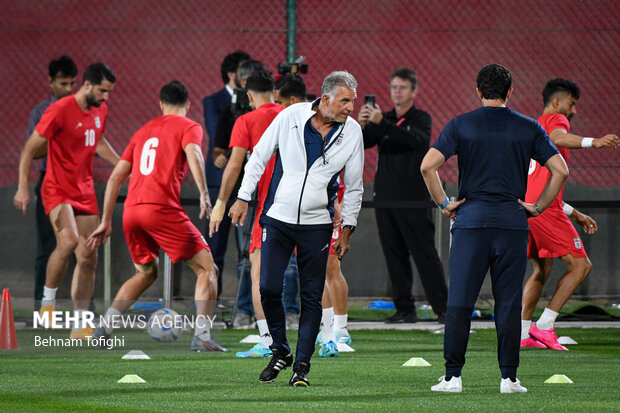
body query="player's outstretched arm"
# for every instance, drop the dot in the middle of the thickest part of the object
(571, 141)
(429, 168)
(106, 152)
(35, 145)
(102, 232)
(196, 163)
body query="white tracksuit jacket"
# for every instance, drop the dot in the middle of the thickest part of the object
(301, 195)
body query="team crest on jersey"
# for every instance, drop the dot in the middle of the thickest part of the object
(97, 122)
(338, 139)
(264, 234)
(577, 242)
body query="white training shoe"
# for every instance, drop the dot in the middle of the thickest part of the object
(509, 386)
(455, 385)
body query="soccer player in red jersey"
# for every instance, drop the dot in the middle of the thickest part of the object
(246, 133)
(157, 158)
(335, 294)
(72, 129)
(552, 234)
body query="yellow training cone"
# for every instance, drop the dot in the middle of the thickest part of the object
(416, 362)
(131, 378)
(559, 379)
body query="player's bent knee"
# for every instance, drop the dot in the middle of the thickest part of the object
(150, 268)
(585, 267)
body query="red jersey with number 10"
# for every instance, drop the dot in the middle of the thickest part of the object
(158, 159)
(538, 175)
(72, 137)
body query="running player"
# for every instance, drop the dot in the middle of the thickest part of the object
(157, 158)
(72, 129)
(552, 234)
(246, 133)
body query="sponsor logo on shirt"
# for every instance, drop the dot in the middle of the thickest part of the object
(97, 122)
(577, 242)
(78, 125)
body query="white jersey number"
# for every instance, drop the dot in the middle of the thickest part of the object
(532, 167)
(89, 134)
(147, 160)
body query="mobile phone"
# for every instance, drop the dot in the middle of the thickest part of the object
(369, 100)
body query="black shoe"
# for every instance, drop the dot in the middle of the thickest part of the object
(402, 317)
(279, 361)
(300, 375)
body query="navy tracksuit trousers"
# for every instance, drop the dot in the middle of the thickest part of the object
(279, 239)
(475, 251)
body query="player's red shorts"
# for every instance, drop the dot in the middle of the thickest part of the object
(335, 236)
(552, 235)
(149, 226)
(82, 204)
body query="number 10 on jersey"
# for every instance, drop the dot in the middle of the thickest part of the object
(89, 134)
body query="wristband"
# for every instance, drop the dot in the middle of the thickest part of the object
(537, 209)
(568, 210)
(444, 204)
(586, 142)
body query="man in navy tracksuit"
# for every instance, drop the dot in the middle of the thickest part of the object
(313, 143)
(494, 145)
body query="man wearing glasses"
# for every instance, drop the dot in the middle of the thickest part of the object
(403, 136)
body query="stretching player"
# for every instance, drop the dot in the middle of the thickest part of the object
(335, 295)
(246, 133)
(72, 128)
(157, 158)
(552, 234)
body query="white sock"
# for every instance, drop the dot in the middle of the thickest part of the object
(203, 328)
(49, 296)
(263, 330)
(525, 329)
(328, 326)
(108, 319)
(340, 322)
(546, 320)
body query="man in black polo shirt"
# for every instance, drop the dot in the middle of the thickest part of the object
(403, 136)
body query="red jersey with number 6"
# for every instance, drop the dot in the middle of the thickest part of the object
(158, 159)
(72, 137)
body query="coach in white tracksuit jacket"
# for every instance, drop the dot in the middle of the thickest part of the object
(313, 143)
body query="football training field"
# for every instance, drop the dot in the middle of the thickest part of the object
(370, 379)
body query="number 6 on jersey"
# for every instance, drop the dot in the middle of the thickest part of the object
(147, 159)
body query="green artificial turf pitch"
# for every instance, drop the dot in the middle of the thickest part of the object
(371, 379)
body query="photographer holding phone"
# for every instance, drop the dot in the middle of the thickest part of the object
(403, 137)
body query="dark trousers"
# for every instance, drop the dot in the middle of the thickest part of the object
(411, 232)
(474, 252)
(46, 243)
(279, 241)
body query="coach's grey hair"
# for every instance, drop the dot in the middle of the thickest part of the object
(335, 79)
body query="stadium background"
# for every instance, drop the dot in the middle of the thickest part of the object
(148, 43)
